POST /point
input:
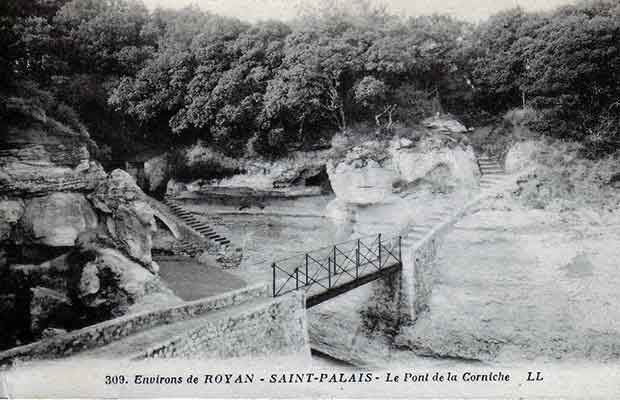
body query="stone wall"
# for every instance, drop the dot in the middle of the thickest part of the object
(273, 327)
(109, 331)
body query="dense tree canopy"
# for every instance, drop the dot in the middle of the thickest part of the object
(171, 76)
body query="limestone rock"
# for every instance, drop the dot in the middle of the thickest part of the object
(343, 328)
(443, 123)
(129, 219)
(363, 182)
(10, 212)
(371, 173)
(48, 307)
(155, 171)
(57, 219)
(52, 332)
(53, 274)
(258, 174)
(434, 160)
(114, 285)
(44, 155)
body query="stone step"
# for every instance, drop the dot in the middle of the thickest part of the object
(489, 182)
(491, 178)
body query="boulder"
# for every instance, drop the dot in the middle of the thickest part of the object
(49, 308)
(444, 123)
(10, 212)
(434, 160)
(57, 219)
(129, 218)
(52, 332)
(156, 172)
(363, 182)
(371, 173)
(113, 285)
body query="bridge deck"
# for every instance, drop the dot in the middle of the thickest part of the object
(317, 295)
(330, 271)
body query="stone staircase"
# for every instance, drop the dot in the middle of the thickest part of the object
(204, 229)
(492, 175)
(492, 172)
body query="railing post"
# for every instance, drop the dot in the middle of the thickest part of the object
(379, 251)
(307, 269)
(357, 260)
(400, 250)
(329, 272)
(297, 278)
(335, 264)
(273, 268)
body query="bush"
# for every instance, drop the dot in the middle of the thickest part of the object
(565, 179)
(604, 138)
(521, 116)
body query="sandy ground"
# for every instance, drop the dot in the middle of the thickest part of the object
(191, 280)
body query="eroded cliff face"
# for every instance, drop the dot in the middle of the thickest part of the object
(41, 155)
(75, 243)
(375, 172)
(299, 173)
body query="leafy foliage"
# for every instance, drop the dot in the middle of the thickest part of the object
(138, 77)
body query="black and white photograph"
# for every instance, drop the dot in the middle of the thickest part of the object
(309, 199)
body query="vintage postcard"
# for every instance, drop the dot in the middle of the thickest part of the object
(309, 199)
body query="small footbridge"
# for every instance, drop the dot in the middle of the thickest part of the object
(327, 272)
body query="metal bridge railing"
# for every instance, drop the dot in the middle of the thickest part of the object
(329, 267)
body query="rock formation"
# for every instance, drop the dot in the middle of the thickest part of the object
(113, 285)
(372, 172)
(128, 217)
(41, 155)
(75, 243)
(57, 219)
(297, 173)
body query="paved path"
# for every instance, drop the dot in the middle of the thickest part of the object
(191, 280)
